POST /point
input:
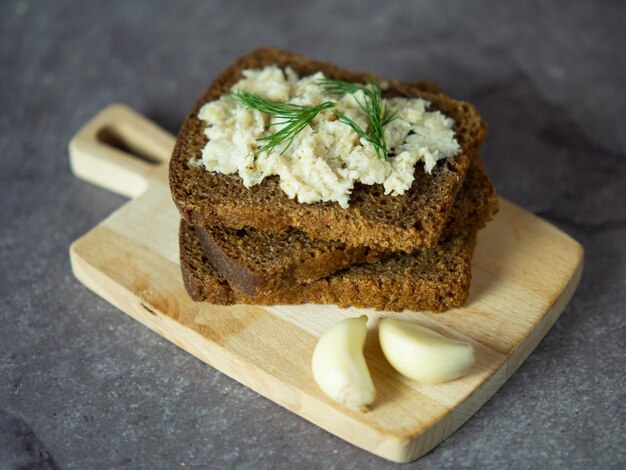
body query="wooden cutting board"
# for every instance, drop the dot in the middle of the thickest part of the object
(524, 273)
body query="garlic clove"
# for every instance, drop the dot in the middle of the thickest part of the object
(339, 366)
(422, 354)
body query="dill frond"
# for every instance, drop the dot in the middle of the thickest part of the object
(377, 113)
(295, 117)
(361, 133)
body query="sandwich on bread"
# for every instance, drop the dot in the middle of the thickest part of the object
(257, 245)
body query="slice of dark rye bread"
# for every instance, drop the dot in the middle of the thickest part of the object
(384, 222)
(436, 279)
(255, 262)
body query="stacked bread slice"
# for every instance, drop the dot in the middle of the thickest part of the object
(255, 245)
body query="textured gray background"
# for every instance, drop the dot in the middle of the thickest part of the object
(84, 386)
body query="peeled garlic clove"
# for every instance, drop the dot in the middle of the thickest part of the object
(422, 354)
(339, 366)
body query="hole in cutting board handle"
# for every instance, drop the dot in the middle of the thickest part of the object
(115, 138)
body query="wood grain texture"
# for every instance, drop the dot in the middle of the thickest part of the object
(524, 273)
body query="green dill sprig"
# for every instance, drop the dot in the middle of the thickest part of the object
(295, 117)
(377, 113)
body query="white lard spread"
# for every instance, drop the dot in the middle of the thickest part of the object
(327, 157)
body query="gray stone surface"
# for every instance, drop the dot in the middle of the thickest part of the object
(84, 386)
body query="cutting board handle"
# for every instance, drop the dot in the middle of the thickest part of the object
(118, 149)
